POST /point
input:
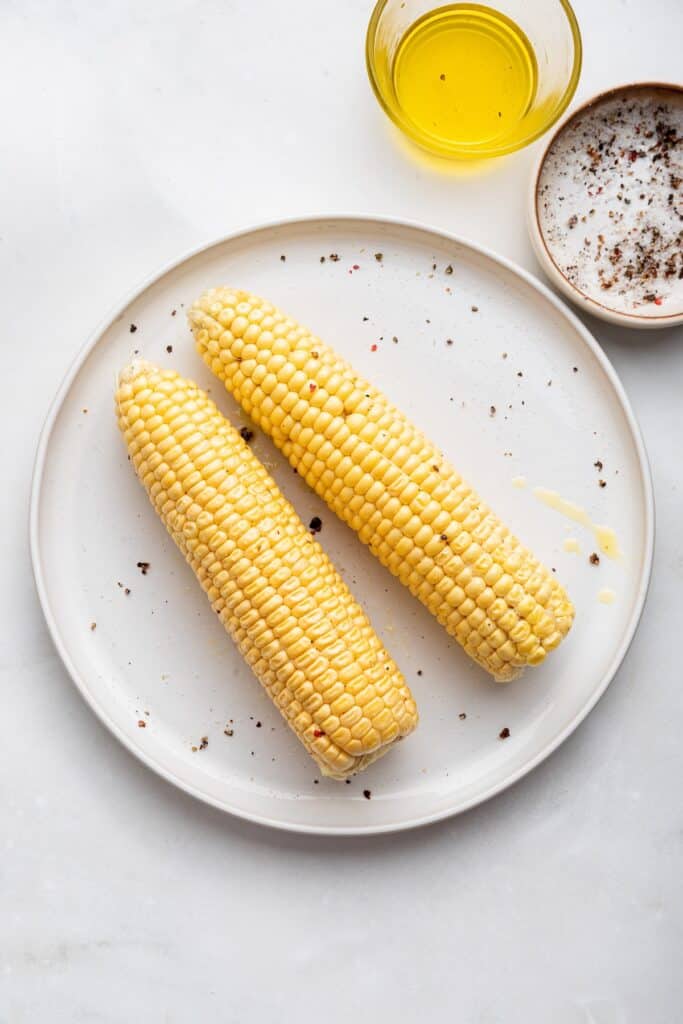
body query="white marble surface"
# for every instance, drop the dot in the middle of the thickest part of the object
(131, 131)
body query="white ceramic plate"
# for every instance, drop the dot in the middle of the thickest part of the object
(158, 655)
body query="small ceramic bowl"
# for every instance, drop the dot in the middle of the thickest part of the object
(606, 206)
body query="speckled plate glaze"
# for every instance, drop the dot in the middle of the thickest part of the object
(468, 344)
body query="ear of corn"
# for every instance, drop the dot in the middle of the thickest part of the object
(272, 586)
(387, 481)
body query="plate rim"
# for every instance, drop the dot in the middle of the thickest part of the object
(312, 220)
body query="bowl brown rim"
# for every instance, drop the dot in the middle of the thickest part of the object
(600, 97)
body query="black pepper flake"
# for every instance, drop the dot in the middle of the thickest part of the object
(419, 671)
(334, 256)
(93, 627)
(379, 256)
(367, 793)
(322, 259)
(173, 312)
(598, 464)
(283, 258)
(395, 340)
(492, 410)
(347, 781)
(144, 567)
(504, 733)
(449, 269)
(449, 341)
(133, 328)
(442, 77)
(142, 724)
(259, 725)
(444, 537)
(365, 318)
(462, 716)
(503, 355)
(169, 348)
(519, 373)
(315, 525)
(247, 435)
(228, 732)
(573, 221)
(316, 782)
(602, 483)
(594, 559)
(575, 369)
(204, 743)
(475, 309)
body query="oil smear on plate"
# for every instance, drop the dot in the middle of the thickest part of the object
(605, 537)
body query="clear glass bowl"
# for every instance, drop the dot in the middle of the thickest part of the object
(553, 33)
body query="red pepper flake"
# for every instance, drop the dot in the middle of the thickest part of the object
(133, 328)
(367, 793)
(373, 348)
(318, 733)
(504, 733)
(659, 300)
(355, 267)
(633, 155)
(312, 387)
(142, 724)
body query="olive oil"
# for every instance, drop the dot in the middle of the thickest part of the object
(465, 74)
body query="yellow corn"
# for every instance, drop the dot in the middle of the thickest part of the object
(387, 481)
(271, 584)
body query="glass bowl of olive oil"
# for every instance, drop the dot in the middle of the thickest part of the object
(466, 80)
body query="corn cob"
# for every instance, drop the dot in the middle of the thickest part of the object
(387, 481)
(272, 586)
